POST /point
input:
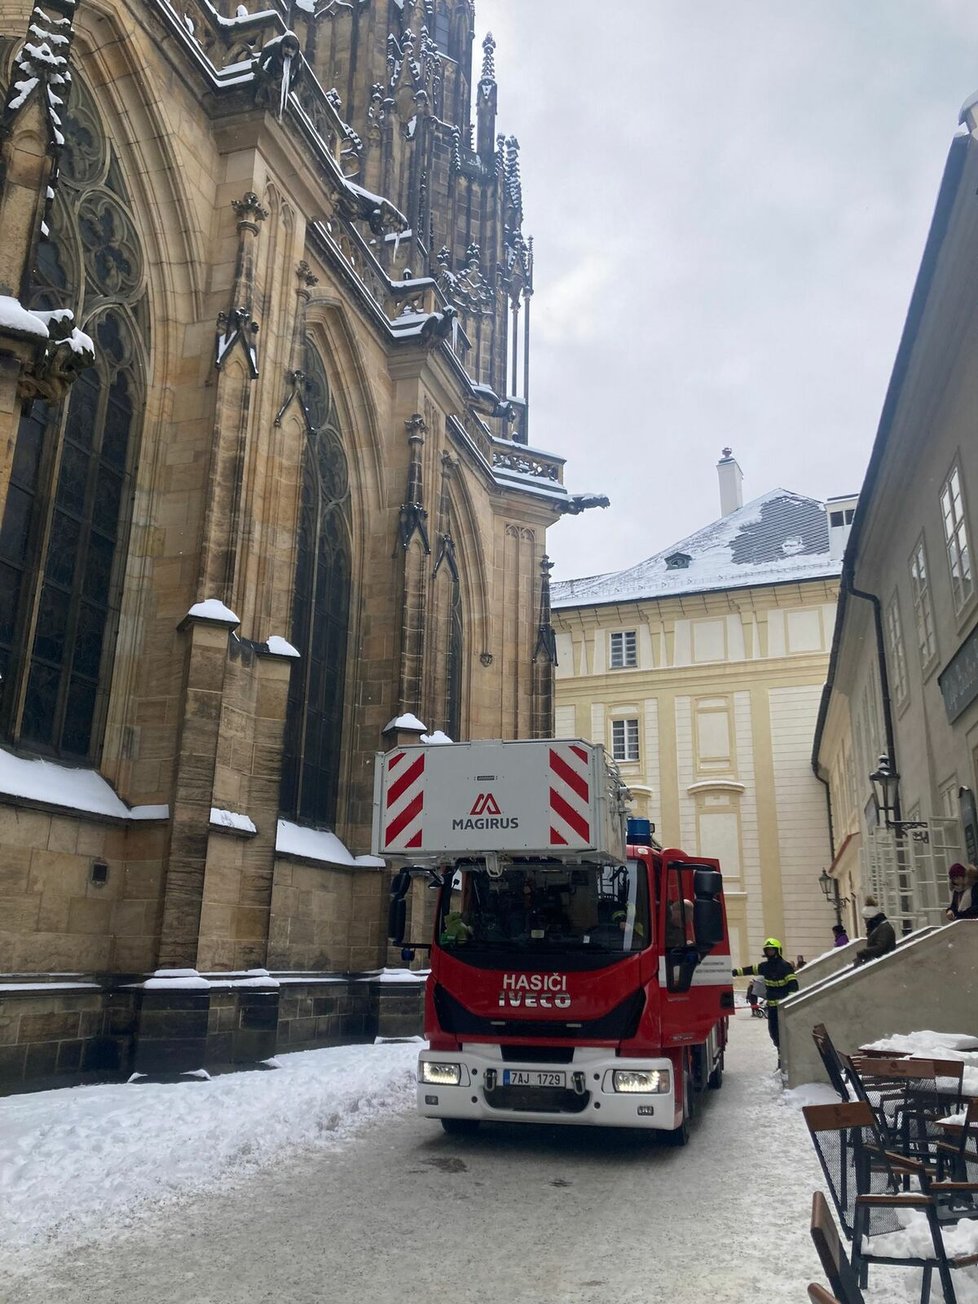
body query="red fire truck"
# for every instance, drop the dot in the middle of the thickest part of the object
(574, 978)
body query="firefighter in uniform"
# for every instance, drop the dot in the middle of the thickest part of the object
(779, 980)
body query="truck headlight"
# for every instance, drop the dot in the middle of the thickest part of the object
(439, 1074)
(653, 1081)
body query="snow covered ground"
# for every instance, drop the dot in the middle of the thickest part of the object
(86, 1165)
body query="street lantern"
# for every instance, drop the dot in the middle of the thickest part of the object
(886, 796)
(830, 890)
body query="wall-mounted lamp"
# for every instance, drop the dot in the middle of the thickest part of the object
(886, 795)
(830, 890)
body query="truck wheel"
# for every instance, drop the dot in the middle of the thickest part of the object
(460, 1126)
(715, 1080)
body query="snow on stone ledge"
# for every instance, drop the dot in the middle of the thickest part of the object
(79, 790)
(316, 844)
(213, 609)
(437, 739)
(408, 721)
(230, 819)
(15, 317)
(176, 980)
(281, 647)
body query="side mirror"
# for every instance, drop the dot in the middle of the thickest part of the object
(707, 922)
(396, 920)
(397, 910)
(707, 883)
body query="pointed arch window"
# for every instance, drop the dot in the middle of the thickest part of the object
(321, 613)
(65, 526)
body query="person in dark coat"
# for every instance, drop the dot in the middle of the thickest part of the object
(964, 892)
(779, 981)
(841, 937)
(880, 937)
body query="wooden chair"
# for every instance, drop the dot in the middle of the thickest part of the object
(863, 1179)
(832, 1257)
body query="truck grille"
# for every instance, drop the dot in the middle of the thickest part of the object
(538, 1100)
(616, 1025)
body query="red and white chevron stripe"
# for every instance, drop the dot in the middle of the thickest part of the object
(404, 802)
(570, 795)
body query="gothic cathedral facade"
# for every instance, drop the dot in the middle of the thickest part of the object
(267, 503)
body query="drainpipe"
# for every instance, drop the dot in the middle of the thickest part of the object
(884, 679)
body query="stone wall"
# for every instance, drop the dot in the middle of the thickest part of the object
(59, 1034)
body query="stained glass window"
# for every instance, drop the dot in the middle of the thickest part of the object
(321, 614)
(66, 518)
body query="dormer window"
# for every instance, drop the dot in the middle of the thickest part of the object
(678, 561)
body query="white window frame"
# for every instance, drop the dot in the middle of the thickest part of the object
(923, 609)
(623, 653)
(625, 739)
(956, 541)
(898, 657)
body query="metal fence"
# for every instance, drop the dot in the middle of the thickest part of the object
(907, 872)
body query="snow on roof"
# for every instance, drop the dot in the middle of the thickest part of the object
(318, 844)
(73, 789)
(777, 538)
(436, 739)
(406, 722)
(213, 609)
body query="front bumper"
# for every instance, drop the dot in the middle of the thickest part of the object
(587, 1097)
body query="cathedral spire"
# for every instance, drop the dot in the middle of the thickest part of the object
(486, 102)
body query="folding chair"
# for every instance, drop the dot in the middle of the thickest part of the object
(831, 1060)
(863, 1179)
(819, 1295)
(832, 1257)
(908, 1096)
(959, 1159)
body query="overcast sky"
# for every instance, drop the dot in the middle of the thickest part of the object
(729, 202)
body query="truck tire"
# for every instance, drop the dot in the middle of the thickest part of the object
(460, 1126)
(715, 1080)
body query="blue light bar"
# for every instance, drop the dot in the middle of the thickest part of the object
(639, 832)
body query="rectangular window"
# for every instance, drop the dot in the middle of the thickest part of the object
(922, 609)
(898, 660)
(956, 540)
(624, 740)
(624, 650)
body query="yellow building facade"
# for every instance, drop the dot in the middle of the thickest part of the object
(701, 670)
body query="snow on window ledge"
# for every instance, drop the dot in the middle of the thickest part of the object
(74, 791)
(295, 841)
(276, 646)
(230, 821)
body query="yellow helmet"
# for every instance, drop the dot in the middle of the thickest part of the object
(772, 943)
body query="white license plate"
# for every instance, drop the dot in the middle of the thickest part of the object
(532, 1078)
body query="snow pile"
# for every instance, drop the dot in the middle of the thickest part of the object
(281, 647)
(408, 721)
(319, 844)
(213, 609)
(73, 1162)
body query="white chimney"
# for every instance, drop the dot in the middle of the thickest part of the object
(731, 483)
(840, 512)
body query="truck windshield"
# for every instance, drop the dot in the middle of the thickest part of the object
(537, 906)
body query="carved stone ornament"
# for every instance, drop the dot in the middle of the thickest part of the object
(67, 353)
(249, 210)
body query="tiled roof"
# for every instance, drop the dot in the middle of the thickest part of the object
(779, 537)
